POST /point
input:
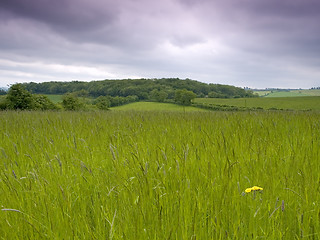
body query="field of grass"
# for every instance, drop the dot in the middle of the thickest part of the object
(54, 98)
(313, 92)
(289, 93)
(159, 175)
(293, 103)
(156, 106)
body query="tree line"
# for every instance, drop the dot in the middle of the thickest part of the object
(3, 91)
(109, 93)
(18, 98)
(144, 89)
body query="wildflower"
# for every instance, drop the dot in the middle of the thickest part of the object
(254, 188)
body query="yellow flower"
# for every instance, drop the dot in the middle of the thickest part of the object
(255, 188)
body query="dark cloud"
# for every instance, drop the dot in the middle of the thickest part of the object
(68, 15)
(285, 9)
(240, 42)
(270, 28)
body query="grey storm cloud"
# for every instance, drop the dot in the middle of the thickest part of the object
(265, 43)
(69, 15)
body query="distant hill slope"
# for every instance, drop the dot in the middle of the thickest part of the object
(293, 103)
(154, 106)
(288, 92)
(142, 88)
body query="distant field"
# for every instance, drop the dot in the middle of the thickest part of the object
(289, 93)
(54, 98)
(295, 103)
(155, 106)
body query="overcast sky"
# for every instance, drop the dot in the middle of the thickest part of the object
(246, 43)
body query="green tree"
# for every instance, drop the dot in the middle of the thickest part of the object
(71, 102)
(81, 93)
(184, 97)
(102, 102)
(158, 96)
(138, 87)
(3, 104)
(2, 91)
(216, 95)
(19, 98)
(42, 102)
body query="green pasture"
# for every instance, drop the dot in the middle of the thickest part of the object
(262, 93)
(159, 175)
(156, 106)
(292, 103)
(312, 92)
(54, 98)
(288, 93)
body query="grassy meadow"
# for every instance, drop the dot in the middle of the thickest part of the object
(159, 175)
(305, 100)
(288, 93)
(286, 103)
(156, 106)
(55, 98)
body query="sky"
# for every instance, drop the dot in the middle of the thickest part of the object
(245, 43)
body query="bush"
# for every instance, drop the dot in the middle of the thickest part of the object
(42, 102)
(2, 91)
(158, 96)
(3, 104)
(217, 95)
(19, 98)
(71, 102)
(184, 97)
(102, 102)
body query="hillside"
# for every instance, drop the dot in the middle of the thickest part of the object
(288, 92)
(292, 103)
(154, 106)
(142, 88)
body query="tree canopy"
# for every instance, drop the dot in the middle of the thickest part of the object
(184, 97)
(3, 91)
(18, 98)
(143, 89)
(109, 93)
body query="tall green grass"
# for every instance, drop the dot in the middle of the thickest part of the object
(153, 175)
